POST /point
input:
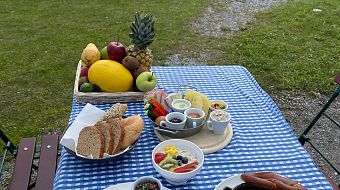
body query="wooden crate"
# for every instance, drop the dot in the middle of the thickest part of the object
(104, 97)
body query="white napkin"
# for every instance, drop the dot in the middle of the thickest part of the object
(89, 115)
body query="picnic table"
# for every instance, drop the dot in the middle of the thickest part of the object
(262, 140)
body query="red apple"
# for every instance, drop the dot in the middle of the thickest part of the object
(84, 71)
(116, 51)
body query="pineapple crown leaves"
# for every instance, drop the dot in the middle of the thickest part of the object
(142, 30)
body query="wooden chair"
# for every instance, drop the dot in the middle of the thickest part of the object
(304, 136)
(25, 154)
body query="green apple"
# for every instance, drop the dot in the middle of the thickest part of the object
(146, 81)
(103, 54)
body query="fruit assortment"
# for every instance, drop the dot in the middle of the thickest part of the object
(218, 106)
(176, 160)
(119, 69)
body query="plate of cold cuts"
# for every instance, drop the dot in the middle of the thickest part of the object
(258, 181)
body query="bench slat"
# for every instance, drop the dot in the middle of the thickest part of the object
(47, 162)
(337, 78)
(23, 164)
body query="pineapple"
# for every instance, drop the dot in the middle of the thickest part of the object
(142, 34)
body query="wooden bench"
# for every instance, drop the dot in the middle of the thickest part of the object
(24, 163)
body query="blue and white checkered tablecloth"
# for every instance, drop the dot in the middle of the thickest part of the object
(262, 139)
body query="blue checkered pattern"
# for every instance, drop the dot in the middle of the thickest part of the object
(262, 139)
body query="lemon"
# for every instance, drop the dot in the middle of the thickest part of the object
(110, 76)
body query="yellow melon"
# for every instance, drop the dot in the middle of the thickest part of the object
(110, 76)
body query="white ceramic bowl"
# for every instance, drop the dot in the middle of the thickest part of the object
(178, 178)
(176, 126)
(219, 102)
(146, 178)
(185, 105)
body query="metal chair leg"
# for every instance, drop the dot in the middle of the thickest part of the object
(303, 137)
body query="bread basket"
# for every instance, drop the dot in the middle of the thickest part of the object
(111, 157)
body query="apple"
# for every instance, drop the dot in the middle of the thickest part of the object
(116, 51)
(84, 71)
(103, 54)
(146, 81)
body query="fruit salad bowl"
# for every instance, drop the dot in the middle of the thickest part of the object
(186, 157)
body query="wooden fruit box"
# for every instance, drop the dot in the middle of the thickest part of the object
(104, 97)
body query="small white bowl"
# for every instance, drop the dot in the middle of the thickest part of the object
(176, 126)
(146, 178)
(186, 103)
(178, 178)
(194, 122)
(219, 102)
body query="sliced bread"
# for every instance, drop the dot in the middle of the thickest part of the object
(91, 142)
(106, 130)
(117, 110)
(117, 134)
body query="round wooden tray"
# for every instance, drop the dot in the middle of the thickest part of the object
(206, 139)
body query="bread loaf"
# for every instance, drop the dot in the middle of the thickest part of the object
(133, 127)
(107, 132)
(90, 142)
(117, 110)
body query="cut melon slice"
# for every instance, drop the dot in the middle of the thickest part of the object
(198, 100)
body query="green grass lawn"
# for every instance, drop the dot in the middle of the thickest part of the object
(287, 48)
(41, 43)
(290, 47)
